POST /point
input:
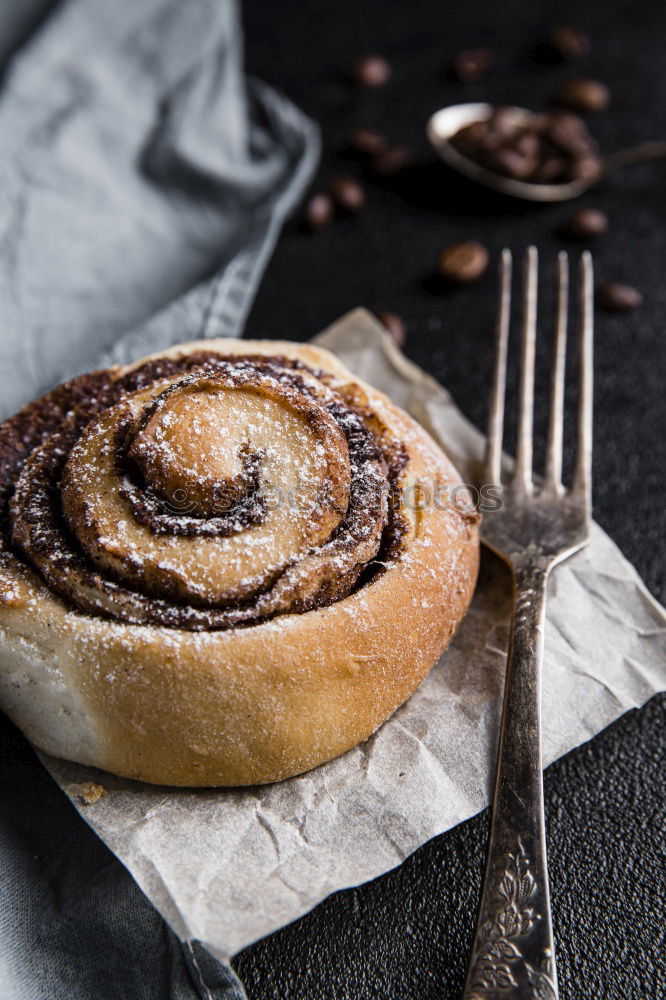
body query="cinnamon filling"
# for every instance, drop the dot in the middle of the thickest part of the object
(201, 492)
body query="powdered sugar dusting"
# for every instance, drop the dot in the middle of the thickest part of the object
(305, 473)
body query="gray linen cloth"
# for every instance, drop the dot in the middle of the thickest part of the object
(143, 182)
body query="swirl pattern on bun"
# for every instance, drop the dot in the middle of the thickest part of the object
(223, 492)
(249, 493)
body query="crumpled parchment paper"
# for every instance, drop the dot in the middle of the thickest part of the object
(226, 867)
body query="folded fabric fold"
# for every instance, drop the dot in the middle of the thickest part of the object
(137, 164)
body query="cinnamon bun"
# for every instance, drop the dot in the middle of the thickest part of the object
(223, 564)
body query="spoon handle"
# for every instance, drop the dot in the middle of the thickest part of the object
(635, 154)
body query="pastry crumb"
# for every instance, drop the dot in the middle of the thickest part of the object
(89, 792)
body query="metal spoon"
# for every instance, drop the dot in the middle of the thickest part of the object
(446, 123)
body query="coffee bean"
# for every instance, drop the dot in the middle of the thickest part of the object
(585, 168)
(368, 141)
(503, 124)
(520, 159)
(395, 325)
(463, 263)
(568, 132)
(569, 43)
(513, 163)
(550, 170)
(347, 193)
(370, 70)
(583, 95)
(616, 297)
(586, 223)
(391, 161)
(472, 65)
(319, 211)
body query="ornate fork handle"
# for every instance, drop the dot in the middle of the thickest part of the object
(512, 956)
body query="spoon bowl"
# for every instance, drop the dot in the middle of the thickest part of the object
(446, 123)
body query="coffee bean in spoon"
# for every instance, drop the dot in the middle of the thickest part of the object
(370, 70)
(521, 159)
(463, 263)
(567, 130)
(546, 148)
(472, 65)
(586, 223)
(368, 141)
(319, 211)
(585, 96)
(550, 170)
(347, 194)
(395, 326)
(586, 168)
(613, 296)
(569, 43)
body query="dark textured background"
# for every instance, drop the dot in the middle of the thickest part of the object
(406, 935)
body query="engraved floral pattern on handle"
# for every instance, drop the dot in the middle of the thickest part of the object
(501, 936)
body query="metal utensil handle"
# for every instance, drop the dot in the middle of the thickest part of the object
(634, 154)
(513, 953)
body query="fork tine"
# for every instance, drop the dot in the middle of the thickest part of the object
(582, 483)
(553, 472)
(522, 481)
(496, 415)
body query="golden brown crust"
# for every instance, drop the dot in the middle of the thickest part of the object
(253, 704)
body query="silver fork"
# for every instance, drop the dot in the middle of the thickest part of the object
(538, 526)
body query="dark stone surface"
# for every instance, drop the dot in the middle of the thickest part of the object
(407, 933)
